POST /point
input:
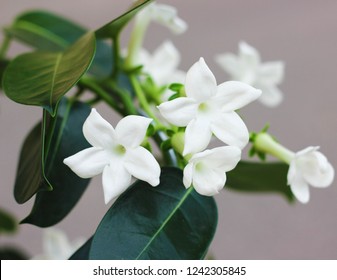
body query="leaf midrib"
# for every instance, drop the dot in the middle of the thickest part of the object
(166, 221)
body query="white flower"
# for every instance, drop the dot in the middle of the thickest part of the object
(206, 171)
(163, 14)
(309, 167)
(208, 109)
(115, 152)
(247, 68)
(56, 245)
(162, 64)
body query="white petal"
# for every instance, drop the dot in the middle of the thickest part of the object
(88, 163)
(208, 181)
(299, 188)
(271, 73)
(230, 63)
(197, 136)
(223, 158)
(316, 170)
(230, 129)
(115, 179)
(178, 26)
(141, 164)
(167, 16)
(164, 62)
(234, 95)
(56, 244)
(131, 130)
(200, 82)
(271, 96)
(179, 111)
(188, 173)
(97, 131)
(249, 55)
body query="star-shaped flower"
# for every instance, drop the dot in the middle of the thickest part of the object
(209, 109)
(309, 167)
(162, 64)
(206, 171)
(116, 153)
(164, 14)
(248, 68)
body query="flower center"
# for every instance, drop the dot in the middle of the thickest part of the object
(199, 166)
(203, 107)
(119, 150)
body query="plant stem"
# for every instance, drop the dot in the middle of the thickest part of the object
(115, 57)
(5, 46)
(100, 92)
(143, 101)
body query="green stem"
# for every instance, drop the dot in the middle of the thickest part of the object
(100, 92)
(143, 101)
(136, 41)
(265, 143)
(5, 46)
(115, 56)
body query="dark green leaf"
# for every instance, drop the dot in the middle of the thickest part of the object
(42, 78)
(260, 177)
(8, 223)
(83, 252)
(29, 175)
(45, 31)
(3, 65)
(49, 32)
(113, 28)
(67, 138)
(163, 222)
(10, 253)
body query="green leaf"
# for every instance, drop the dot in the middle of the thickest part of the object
(163, 222)
(8, 223)
(83, 252)
(3, 65)
(50, 32)
(45, 31)
(260, 178)
(10, 253)
(113, 28)
(29, 175)
(42, 78)
(66, 138)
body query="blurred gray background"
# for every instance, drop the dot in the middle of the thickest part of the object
(303, 34)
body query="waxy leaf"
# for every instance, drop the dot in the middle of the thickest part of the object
(8, 223)
(42, 78)
(29, 175)
(113, 28)
(50, 32)
(66, 138)
(163, 222)
(83, 252)
(10, 253)
(260, 177)
(3, 65)
(45, 31)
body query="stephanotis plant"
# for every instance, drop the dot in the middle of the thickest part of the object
(161, 203)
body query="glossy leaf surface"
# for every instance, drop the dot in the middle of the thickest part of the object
(260, 178)
(65, 134)
(163, 222)
(50, 32)
(42, 78)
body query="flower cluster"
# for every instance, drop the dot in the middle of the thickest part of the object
(209, 109)
(201, 110)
